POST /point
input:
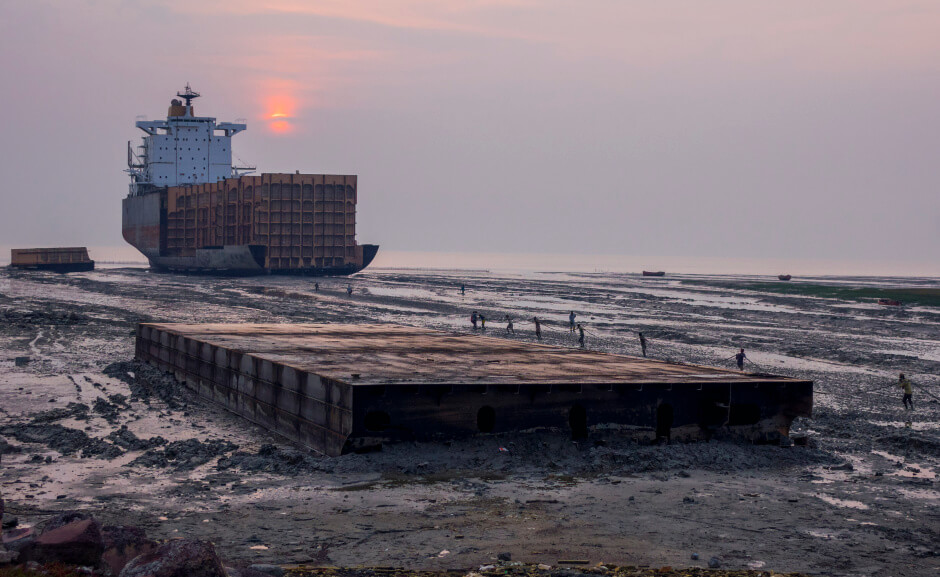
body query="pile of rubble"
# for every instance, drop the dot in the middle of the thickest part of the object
(76, 543)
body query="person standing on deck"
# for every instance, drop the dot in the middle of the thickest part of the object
(908, 398)
(643, 343)
(740, 358)
(581, 338)
(509, 329)
(571, 321)
(473, 320)
(538, 328)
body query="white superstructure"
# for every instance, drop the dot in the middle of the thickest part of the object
(183, 149)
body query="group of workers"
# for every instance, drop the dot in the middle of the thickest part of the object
(739, 358)
(478, 321)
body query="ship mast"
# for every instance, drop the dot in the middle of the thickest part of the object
(188, 95)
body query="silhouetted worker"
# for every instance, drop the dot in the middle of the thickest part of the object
(463, 290)
(740, 358)
(643, 343)
(473, 320)
(509, 328)
(538, 328)
(349, 289)
(482, 323)
(908, 398)
(571, 321)
(316, 287)
(581, 338)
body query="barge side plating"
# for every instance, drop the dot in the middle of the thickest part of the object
(334, 388)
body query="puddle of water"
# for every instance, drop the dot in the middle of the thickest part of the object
(911, 470)
(917, 426)
(848, 503)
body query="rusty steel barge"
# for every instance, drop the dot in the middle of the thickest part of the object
(334, 388)
(190, 210)
(61, 259)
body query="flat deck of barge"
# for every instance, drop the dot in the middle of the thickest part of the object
(334, 387)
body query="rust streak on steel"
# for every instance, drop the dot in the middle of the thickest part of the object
(330, 386)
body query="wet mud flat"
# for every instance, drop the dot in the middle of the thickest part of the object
(83, 426)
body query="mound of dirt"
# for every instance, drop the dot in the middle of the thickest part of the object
(71, 411)
(65, 440)
(147, 382)
(270, 459)
(123, 437)
(184, 455)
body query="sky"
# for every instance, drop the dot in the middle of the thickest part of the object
(782, 129)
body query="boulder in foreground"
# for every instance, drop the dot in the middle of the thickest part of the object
(182, 558)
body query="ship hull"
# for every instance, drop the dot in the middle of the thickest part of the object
(242, 261)
(149, 227)
(62, 268)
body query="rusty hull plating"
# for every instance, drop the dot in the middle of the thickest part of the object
(280, 223)
(334, 388)
(64, 259)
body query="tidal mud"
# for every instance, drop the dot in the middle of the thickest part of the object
(83, 426)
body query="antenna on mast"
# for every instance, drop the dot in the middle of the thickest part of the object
(188, 95)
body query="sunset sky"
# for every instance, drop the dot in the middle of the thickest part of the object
(784, 129)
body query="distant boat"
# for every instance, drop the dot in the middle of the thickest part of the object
(889, 302)
(784, 277)
(657, 273)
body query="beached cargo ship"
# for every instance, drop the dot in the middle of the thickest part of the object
(61, 259)
(190, 210)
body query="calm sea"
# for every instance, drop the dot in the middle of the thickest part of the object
(109, 256)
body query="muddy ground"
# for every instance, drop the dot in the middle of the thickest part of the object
(83, 426)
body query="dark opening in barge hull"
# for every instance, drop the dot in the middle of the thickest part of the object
(335, 388)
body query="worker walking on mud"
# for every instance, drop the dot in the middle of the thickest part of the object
(463, 290)
(482, 323)
(316, 287)
(908, 398)
(538, 328)
(571, 321)
(642, 343)
(473, 320)
(581, 337)
(740, 358)
(349, 290)
(509, 329)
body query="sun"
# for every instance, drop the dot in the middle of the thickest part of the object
(278, 113)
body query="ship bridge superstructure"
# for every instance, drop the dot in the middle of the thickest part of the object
(184, 149)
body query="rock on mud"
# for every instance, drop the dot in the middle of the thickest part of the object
(175, 559)
(76, 543)
(122, 544)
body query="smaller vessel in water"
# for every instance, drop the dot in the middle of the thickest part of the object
(67, 259)
(889, 302)
(651, 273)
(784, 277)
